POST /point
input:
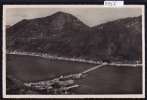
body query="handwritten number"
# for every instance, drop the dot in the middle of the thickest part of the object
(115, 3)
(105, 3)
(110, 3)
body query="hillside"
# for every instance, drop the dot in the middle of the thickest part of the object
(65, 35)
(58, 24)
(15, 86)
(120, 39)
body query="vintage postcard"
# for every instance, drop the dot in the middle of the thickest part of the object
(73, 51)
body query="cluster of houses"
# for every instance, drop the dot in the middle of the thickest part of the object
(125, 63)
(58, 85)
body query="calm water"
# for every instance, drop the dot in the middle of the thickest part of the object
(112, 80)
(104, 80)
(32, 69)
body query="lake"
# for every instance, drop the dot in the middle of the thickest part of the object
(104, 80)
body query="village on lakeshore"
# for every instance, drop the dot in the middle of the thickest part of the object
(118, 63)
(63, 84)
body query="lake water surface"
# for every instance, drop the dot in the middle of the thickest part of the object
(32, 69)
(104, 80)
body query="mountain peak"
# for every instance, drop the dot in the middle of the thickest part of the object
(59, 22)
(60, 12)
(64, 34)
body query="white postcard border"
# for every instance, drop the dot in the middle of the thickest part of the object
(72, 96)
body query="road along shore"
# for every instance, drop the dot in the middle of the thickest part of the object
(72, 59)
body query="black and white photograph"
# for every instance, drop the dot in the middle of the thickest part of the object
(73, 51)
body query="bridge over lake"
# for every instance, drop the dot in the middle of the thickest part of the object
(111, 64)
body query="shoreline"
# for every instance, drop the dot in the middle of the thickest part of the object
(43, 55)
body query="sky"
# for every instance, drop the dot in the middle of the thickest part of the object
(89, 16)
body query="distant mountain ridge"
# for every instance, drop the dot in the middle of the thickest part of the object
(56, 24)
(120, 39)
(65, 35)
(7, 26)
